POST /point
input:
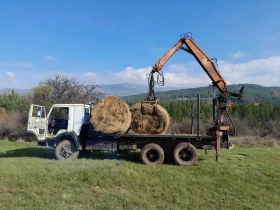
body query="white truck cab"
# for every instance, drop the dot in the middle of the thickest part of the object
(62, 118)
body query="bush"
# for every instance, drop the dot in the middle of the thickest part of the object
(184, 127)
(10, 101)
(180, 128)
(9, 123)
(255, 141)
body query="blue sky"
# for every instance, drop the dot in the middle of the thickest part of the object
(118, 41)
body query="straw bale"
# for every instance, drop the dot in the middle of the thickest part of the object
(111, 115)
(149, 121)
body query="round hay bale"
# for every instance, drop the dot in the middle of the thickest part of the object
(111, 115)
(149, 121)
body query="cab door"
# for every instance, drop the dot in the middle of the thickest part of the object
(37, 121)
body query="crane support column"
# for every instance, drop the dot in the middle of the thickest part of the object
(198, 115)
(218, 145)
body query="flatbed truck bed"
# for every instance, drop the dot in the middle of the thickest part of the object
(154, 147)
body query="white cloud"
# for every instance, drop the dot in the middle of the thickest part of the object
(237, 55)
(89, 77)
(6, 80)
(263, 71)
(10, 75)
(50, 58)
(130, 75)
(89, 74)
(175, 76)
(178, 68)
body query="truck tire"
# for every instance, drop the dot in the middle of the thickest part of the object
(152, 154)
(185, 154)
(66, 150)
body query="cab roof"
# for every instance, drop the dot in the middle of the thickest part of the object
(68, 105)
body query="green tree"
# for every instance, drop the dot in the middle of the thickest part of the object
(62, 89)
(10, 100)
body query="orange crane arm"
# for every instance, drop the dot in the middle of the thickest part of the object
(220, 105)
(205, 62)
(161, 62)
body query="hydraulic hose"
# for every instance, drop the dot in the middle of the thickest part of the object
(233, 125)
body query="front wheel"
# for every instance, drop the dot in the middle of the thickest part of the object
(66, 150)
(185, 154)
(152, 154)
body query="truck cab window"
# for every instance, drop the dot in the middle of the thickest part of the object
(58, 119)
(36, 112)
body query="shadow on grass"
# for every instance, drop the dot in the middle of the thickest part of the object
(47, 153)
(130, 156)
(29, 152)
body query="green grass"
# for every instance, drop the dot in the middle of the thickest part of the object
(30, 178)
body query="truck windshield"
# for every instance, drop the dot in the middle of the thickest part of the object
(60, 113)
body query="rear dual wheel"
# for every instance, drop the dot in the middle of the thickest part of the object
(152, 154)
(185, 154)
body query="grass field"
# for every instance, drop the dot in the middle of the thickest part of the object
(30, 178)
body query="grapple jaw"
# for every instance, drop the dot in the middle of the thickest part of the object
(154, 103)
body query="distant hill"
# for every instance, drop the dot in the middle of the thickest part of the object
(252, 94)
(126, 89)
(19, 91)
(134, 92)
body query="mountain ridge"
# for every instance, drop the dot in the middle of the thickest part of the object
(252, 94)
(134, 92)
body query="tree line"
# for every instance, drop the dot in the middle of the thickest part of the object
(256, 113)
(252, 94)
(58, 88)
(251, 118)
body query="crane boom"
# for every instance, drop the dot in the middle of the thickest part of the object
(161, 62)
(220, 103)
(188, 45)
(207, 64)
